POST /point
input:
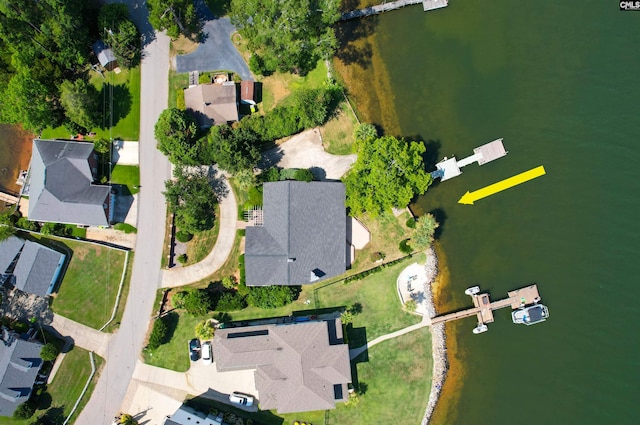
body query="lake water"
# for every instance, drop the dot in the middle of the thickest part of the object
(559, 82)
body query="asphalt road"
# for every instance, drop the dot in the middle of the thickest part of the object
(125, 346)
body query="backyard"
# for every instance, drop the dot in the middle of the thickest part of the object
(65, 389)
(122, 91)
(91, 280)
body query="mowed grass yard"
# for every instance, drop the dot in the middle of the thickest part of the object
(396, 380)
(127, 175)
(122, 91)
(65, 389)
(89, 287)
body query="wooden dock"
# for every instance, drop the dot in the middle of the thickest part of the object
(483, 306)
(393, 5)
(8, 198)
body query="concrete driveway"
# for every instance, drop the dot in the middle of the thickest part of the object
(217, 52)
(125, 153)
(305, 150)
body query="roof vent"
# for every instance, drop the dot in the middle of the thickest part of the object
(291, 260)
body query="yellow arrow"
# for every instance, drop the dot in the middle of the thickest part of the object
(470, 197)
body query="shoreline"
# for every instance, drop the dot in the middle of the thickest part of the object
(438, 339)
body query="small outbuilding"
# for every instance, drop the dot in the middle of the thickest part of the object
(247, 92)
(105, 55)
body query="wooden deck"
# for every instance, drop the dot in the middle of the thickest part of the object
(393, 5)
(483, 307)
(490, 151)
(8, 198)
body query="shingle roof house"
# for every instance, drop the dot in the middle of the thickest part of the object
(299, 367)
(105, 55)
(303, 239)
(29, 266)
(61, 184)
(212, 104)
(19, 365)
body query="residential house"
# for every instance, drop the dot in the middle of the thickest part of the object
(63, 185)
(185, 415)
(29, 266)
(301, 237)
(105, 55)
(299, 367)
(19, 366)
(212, 104)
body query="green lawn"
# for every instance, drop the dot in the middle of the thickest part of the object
(125, 88)
(203, 242)
(175, 354)
(176, 82)
(397, 377)
(91, 280)
(337, 133)
(65, 389)
(128, 175)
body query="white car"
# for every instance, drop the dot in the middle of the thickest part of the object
(241, 399)
(207, 354)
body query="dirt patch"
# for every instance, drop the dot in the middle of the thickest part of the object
(182, 46)
(81, 252)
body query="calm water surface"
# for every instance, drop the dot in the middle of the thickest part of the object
(559, 82)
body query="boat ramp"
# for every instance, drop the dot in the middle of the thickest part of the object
(483, 306)
(393, 5)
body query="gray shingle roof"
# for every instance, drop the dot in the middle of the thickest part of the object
(9, 249)
(105, 55)
(297, 366)
(19, 365)
(61, 188)
(38, 269)
(304, 235)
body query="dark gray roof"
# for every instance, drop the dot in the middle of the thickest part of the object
(105, 55)
(19, 365)
(38, 269)
(303, 238)
(9, 250)
(61, 188)
(297, 366)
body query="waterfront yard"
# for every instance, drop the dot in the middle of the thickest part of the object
(91, 280)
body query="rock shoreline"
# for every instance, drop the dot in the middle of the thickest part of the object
(439, 346)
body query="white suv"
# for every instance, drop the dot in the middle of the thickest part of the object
(207, 355)
(241, 399)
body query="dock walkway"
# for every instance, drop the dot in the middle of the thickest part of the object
(8, 198)
(393, 5)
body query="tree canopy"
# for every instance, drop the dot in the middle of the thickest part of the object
(388, 173)
(192, 199)
(120, 33)
(176, 132)
(178, 17)
(423, 234)
(80, 102)
(286, 35)
(233, 151)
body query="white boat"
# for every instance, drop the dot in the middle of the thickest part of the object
(530, 315)
(480, 328)
(472, 291)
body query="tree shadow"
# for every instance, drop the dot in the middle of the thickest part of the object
(352, 35)
(171, 320)
(214, 399)
(53, 416)
(118, 102)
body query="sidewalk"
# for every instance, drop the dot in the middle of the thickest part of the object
(180, 276)
(82, 336)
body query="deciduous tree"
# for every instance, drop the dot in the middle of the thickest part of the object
(120, 33)
(423, 235)
(388, 173)
(29, 102)
(80, 102)
(192, 199)
(176, 132)
(233, 150)
(178, 17)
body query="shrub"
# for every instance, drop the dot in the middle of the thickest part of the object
(183, 236)
(204, 79)
(49, 352)
(24, 411)
(411, 223)
(197, 302)
(404, 247)
(231, 301)
(411, 306)
(346, 317)
(229, 282)
(303, 175)
(271, 175)
(158, 334)
(56, 229)
(256, 65)
(180, 103)
(242, 273)
(125, 227)
(177, 299)
(272, 296)
(182, 258)
(205, 330)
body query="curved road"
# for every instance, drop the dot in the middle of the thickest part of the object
(124, 346)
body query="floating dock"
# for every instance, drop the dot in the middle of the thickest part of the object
(449, 168)
(483, 306)
(393, 5)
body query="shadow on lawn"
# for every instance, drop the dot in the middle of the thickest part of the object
(117, 100)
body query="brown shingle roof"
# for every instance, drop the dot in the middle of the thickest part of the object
(212, 103)
(297, 365)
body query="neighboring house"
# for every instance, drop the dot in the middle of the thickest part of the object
(105, 55)
(299, 367)
(185, 415)
(212, 104)
(19, 366)
(62, 185)
(302, 238)
(29, 266)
